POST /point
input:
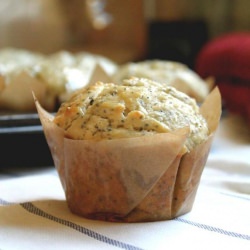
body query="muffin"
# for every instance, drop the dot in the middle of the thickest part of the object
(131, 152)
(169, 73)
(16, 80)
(53, 78)
(64, 72)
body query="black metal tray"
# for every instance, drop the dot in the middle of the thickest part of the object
(22, 141)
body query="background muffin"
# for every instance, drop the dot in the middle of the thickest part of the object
(52, 77)
(16, 80)
(169, 73)
(64, 72)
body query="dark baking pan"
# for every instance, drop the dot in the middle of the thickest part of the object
(22, 141)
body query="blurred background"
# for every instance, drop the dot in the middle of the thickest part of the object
(131, 30)
(136, 30)
(121, 30)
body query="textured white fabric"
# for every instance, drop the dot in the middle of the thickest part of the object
(34, 214)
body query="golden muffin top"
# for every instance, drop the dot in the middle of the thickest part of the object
(137, 107)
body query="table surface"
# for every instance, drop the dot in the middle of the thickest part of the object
(34, 214)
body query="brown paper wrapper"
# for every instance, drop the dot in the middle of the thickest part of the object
(16, 95)
(147, 178)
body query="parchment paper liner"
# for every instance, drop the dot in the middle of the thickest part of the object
(145, 178)
(16, 95)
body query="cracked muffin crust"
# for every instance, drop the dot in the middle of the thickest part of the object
(138, 107)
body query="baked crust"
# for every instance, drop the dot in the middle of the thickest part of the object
(137, 107)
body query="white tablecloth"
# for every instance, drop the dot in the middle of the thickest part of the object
(34, 214)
